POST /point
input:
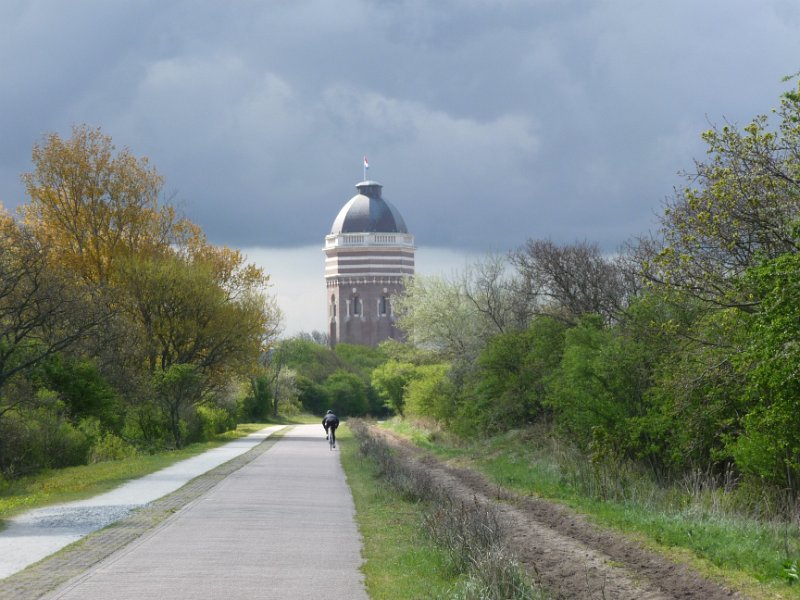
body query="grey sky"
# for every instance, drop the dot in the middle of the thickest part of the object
(487, 121)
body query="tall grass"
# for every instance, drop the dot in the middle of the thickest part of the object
(747, 535)
(468, 532)
(400, 562)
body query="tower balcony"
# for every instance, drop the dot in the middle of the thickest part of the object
(369, 239)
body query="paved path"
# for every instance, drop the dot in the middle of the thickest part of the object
(280, 527)
(33, 535)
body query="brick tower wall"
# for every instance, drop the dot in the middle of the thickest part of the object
(361, 282)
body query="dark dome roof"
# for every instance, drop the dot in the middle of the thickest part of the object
(368, 212)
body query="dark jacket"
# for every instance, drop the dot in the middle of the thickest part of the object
(330, 420)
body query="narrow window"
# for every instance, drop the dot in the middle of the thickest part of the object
(356, 306)
(384, 306)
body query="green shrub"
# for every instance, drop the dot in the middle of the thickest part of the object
(147, 426)
(111, 447)
(290, 408)
(311, 395)
(390, 380)
(40, 438)
(255, 405)
(430, 393)
(82, 389)
(347, 393)
(65, 445)
(214, 420)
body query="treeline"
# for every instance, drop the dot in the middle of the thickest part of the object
(121, 328)
(314, 378)
(681, 352)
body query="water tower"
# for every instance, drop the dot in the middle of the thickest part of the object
(368, 253)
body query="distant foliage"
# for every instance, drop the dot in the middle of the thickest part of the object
(340, 379)
(347, 394)
(391, 380)
(430, 393)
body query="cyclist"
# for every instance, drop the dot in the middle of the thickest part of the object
(330, 422)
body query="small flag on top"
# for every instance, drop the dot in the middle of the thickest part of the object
(366, 163)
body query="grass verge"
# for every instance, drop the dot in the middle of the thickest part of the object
(400, 563)
(455, 549)
(75, 483)
(745, 552)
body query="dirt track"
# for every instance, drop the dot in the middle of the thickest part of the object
(570, 557)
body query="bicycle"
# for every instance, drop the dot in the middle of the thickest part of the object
(330, 422)
(331, 438)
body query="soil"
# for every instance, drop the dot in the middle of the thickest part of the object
(570, 557)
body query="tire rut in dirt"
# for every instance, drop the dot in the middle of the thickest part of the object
(569, 556)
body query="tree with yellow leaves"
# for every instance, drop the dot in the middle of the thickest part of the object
(99, 209)
(93, 204)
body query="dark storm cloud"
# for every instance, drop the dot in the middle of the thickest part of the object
(487, 121)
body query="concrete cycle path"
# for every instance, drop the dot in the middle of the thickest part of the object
(280, 527)
(38, 533)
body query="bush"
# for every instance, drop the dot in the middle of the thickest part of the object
(147, 425)
(430, 393)
(311, 395)
(347, 393)
(290, 408)
(65, 444)
(256, 404)
(111, 447)
(214, 420)
(390, 380)
(511, 384)
(35, 439)
(83, 389)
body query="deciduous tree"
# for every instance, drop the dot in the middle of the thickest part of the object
(488, 284)
(41, 311)
(93, 204)
(391, 380)
(741, 206)
(769, 444)
(347, 393)
(569, 281)
(178, 390)
(437, 315)
(187, 315)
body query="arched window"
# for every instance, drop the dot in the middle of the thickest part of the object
(383, 307)
(333, 306)
(356, 306)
